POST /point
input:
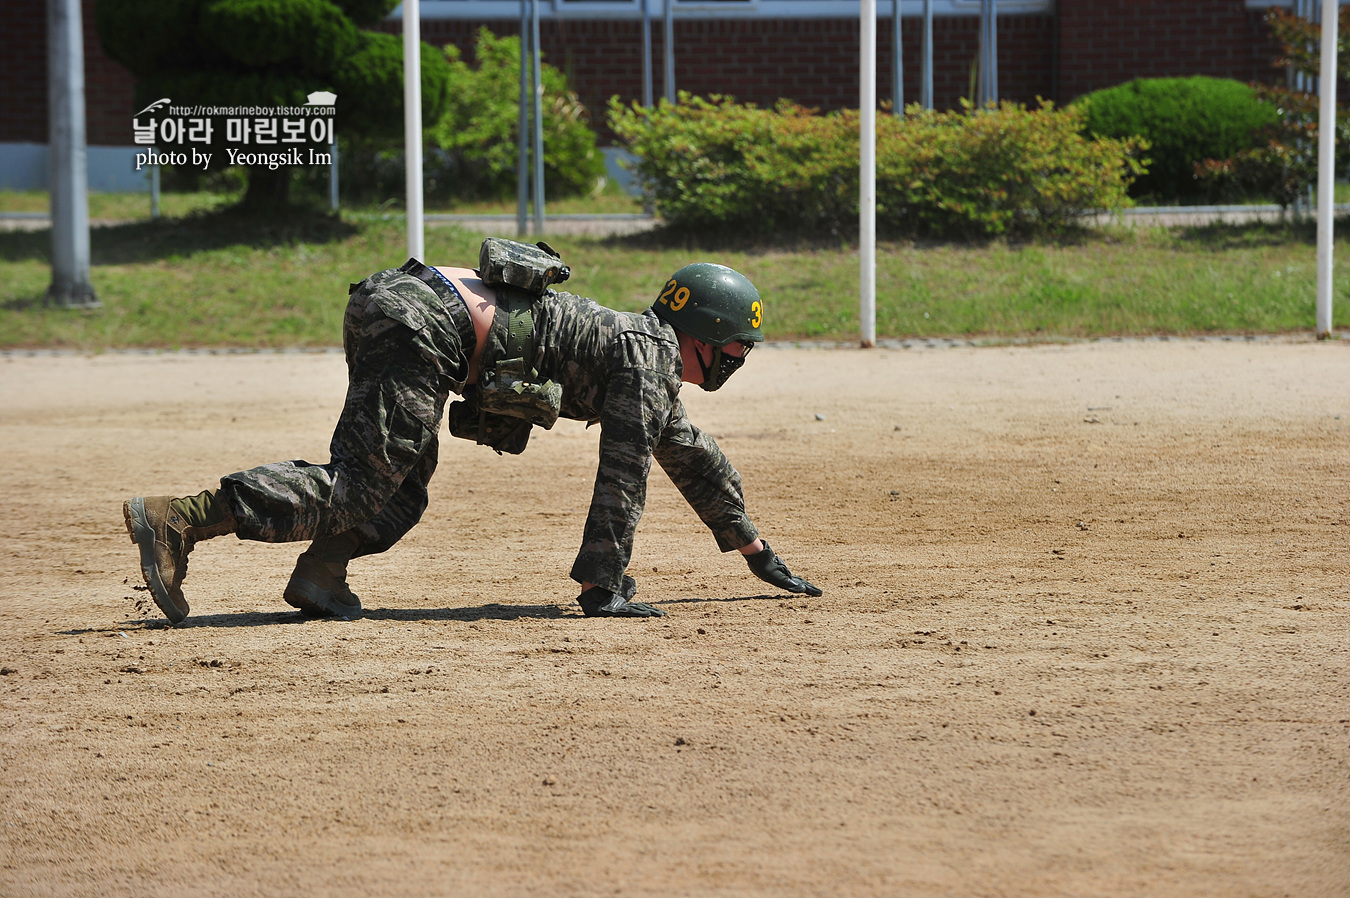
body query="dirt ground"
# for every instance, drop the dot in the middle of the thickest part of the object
(1084, 633)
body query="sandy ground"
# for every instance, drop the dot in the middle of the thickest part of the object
(1084, 633)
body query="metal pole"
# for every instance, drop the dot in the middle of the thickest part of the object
(926, 87)
(1326, 168)
(647, 53)
(867, 201)
(897, 62)
(982, 76)
(669, 6)
(993, 52)
(1307, 10)
(523, 128)
(538, 122)
(412, 122)
(67, 153)
(154, 191)
(333, 177)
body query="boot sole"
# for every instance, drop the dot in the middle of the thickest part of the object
(311, 598)
(143, 535)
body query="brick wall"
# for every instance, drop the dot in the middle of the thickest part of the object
(1106, 42)
(109, 91)
(1085, 45)
(811, 61)
(23, 73)
(23, 80)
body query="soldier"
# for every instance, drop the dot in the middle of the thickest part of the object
(414, 335)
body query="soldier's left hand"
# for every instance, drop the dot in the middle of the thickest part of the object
(767, 566)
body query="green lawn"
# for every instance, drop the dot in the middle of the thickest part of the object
(136, 206)
(120, 206)
(220, 279)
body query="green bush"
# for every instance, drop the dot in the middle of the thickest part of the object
(480, 128)
(1184, 121)
(717, 164)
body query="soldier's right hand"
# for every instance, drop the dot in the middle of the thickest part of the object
(600, 602)
(767, 566)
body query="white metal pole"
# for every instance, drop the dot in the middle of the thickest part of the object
(1326, 168)
(867, 176)
(537, 74)
(67, 156)
(412, 122)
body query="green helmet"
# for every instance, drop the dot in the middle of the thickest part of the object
(712, 303)
(717, 305)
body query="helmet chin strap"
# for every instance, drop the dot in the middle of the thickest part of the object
(710, 380)
(722, 366)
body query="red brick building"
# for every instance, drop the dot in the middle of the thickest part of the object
(755, 50)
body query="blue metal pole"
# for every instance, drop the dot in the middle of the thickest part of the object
(523, 129)
(538, 122)
(897, 62)
(926, 88)
(647, 53)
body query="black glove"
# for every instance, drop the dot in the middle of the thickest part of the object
(770, 568)
(600, 602)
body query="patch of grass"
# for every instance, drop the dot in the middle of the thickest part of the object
(110, 207)
(610, 199)
(121, 206)
(225, 279)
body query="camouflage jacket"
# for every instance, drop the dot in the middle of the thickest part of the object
(622, 370)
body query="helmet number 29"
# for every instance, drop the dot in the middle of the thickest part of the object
(674, 296)
(756, 314)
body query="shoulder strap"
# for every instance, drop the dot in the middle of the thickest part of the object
(519, 309)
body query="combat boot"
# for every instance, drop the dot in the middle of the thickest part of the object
(319, 583)
(165, 529)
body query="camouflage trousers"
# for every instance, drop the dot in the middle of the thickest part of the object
(407, 336)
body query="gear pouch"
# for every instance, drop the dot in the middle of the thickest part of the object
(508, 389)
(503, 433)
(531, 268)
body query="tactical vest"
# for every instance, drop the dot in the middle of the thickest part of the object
(510, 396)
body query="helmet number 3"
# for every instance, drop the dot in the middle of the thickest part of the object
(756, 314)
(674, 296)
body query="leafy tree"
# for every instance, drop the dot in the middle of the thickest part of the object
(1283, 163)
(271, 53)
(480, 129)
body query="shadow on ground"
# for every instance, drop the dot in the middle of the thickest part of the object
(466, 614)
(1221, 236)
(145, 241)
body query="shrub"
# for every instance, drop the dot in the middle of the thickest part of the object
(480, 128)
(1184, 121)
(715, 163)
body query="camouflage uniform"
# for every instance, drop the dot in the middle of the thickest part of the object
(407, 336)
